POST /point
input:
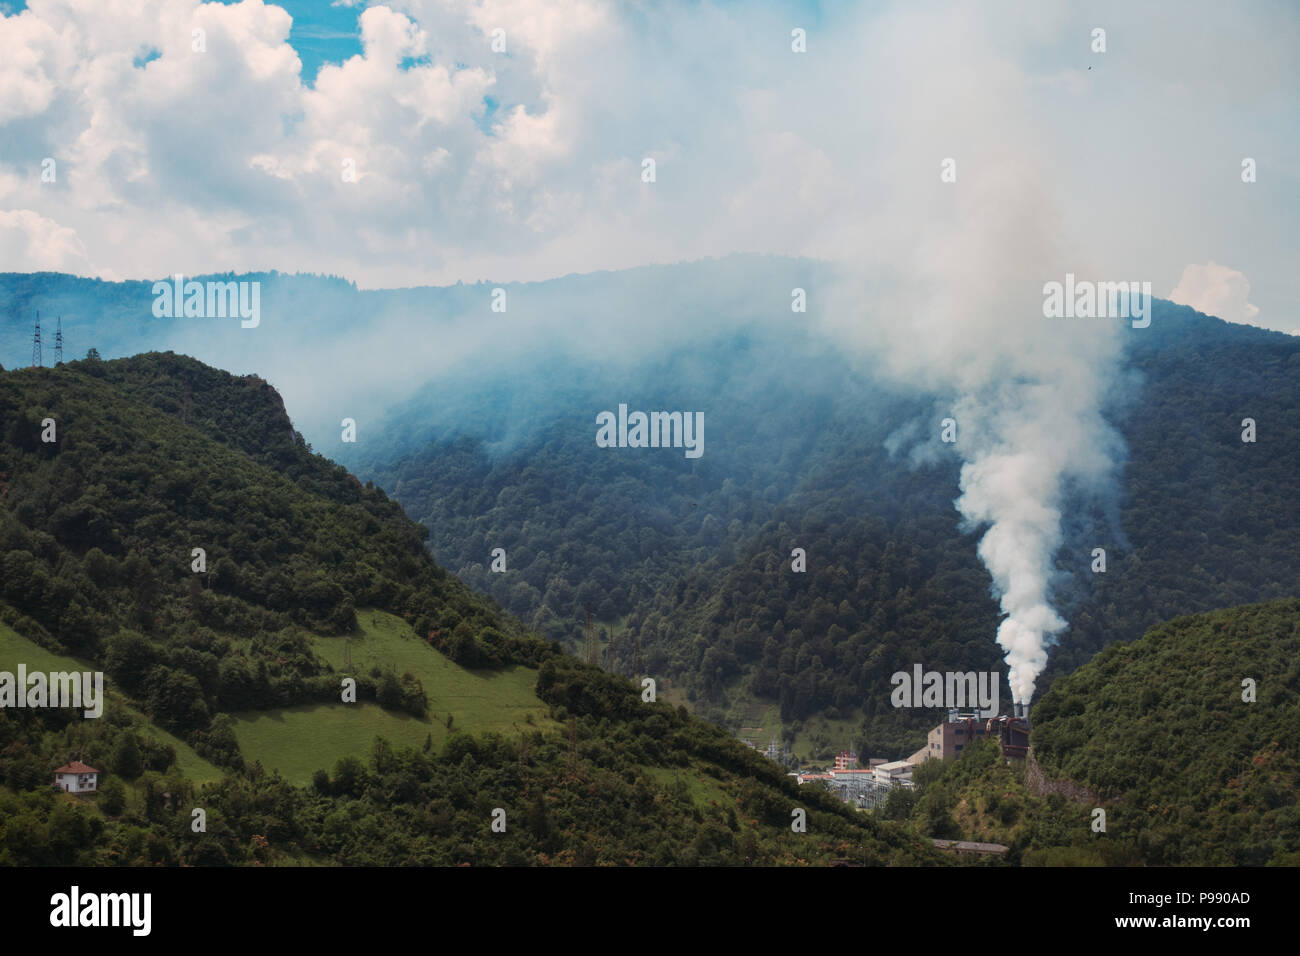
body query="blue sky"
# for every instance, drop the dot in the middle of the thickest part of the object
(322, 33)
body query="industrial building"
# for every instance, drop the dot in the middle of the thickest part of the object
(869, 787)
(866, 788)
(952, 737)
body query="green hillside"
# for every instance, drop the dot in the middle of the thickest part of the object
(298, 741)
(238, 663)
(95, 749)
(1157, 734)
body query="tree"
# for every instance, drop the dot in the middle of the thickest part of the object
(112, 797)
(127, 761)
(176, 699)
(320, 782)
(129, 657)
(349, 776)
(389, 692)
(225, 576)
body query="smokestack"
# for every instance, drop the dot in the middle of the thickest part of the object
(1017, 709)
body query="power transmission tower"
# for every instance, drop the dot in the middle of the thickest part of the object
(58, 343)
(36, 342)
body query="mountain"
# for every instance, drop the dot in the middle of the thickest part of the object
(1186, 739)
(687, 564)
(482, 425)
(176, 532)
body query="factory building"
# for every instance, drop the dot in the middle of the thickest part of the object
(865, 788)
(869, 787)
(954, 735)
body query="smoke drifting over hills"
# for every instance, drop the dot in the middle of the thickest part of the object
(528, 166)
(962, 316)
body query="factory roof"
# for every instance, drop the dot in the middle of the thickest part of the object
(895, 765)
(965, 846)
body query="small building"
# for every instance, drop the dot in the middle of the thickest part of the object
(967, 848)
(892, 773)
(76, 777)
(811, 776)
(847, 760)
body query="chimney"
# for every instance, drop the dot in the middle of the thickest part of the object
(1016, 709)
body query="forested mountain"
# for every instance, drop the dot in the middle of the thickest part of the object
(1186, 739)
(482, 426)
(688, 563)
(150, 458)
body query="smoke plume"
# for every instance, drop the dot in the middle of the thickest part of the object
(953, 304)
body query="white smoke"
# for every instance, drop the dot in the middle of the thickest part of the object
(951, 301)
(1027, 392)
(1032, 439)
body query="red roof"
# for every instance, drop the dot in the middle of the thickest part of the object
(76, 767)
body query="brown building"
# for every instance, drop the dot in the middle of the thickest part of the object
(951, 738)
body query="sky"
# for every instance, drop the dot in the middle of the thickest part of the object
(393, 145)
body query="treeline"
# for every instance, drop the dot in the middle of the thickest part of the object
(593, 800)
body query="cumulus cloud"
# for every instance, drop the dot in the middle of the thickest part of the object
(32, 243)
(524, 164)
(1216, 290)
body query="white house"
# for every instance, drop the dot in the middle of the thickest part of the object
(76, 777)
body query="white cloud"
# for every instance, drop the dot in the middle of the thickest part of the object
(32, 243)
(226, 160)
(1216, 290)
